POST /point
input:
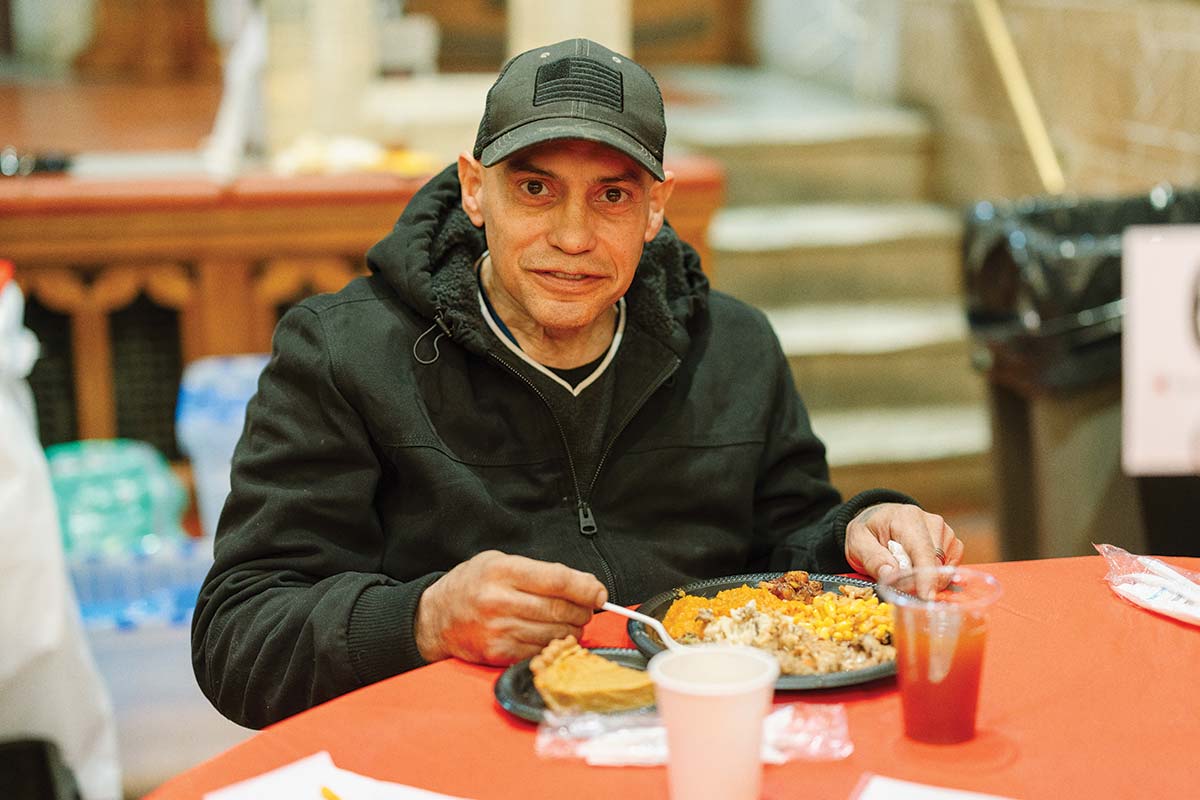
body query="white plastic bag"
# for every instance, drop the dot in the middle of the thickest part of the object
(1152, 584)
(49, 685)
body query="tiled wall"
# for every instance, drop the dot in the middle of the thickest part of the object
(1118, 83)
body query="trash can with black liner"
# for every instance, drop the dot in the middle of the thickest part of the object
(1042, 278)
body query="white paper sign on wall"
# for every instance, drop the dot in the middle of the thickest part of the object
(1161, 350)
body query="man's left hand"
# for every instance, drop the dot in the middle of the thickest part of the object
(926, 537)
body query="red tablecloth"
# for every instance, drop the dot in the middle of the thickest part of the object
(1083, 695)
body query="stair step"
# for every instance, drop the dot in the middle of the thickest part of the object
(855, 356)
(830, 225)
(781, 255)
(825, 229)
(943, 485)
(940, 374)
(888, 435)
(868, 327)
(784, 139)
(939, 455)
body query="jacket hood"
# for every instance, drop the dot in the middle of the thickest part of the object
(429, 260)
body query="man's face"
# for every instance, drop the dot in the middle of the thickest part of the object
(565, 222)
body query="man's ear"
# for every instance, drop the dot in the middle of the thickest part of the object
(470, 177)
(660, 193)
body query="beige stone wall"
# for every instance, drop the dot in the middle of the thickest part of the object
(1118, 82)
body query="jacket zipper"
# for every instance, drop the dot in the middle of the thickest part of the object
(632, 412)
(587, 522)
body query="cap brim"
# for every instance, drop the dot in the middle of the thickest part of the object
(554, 129)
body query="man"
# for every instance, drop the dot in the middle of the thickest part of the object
(532, 405)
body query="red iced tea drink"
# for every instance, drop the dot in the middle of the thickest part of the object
(939, 677)
(939, 648)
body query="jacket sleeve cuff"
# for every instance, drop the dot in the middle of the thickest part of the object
(381, 637)
(860, 502)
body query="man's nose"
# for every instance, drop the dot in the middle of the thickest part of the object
(572, 231)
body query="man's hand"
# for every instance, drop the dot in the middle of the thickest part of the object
(920, 533)
(498, 609)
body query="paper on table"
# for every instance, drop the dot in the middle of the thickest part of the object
(877, 787)
(304, 780)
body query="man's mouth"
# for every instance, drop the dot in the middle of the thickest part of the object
(567, 276)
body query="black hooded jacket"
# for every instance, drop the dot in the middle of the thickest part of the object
(394, 436)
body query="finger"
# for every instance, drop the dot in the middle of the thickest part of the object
(920, 541)
(922, 537)
(950, 552)
(501, 653)
(944, 538)
(537, 634)
(505, 639)
(955, 552)
(924, 548)
(557, 580)
(877, 561)
(940, 537)
(511, 640)
(863, 545)
(556, 610)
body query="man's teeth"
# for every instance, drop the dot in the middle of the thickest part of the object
(567, 276)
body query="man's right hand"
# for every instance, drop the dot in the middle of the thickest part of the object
(498, 609)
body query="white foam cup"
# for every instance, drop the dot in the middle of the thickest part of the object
(712, 700)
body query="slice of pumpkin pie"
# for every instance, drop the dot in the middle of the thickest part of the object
(572, 678)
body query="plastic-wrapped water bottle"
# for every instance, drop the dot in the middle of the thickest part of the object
(127, 591)
(115, 497)
(208, 422)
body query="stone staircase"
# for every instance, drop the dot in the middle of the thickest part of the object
(828, 227)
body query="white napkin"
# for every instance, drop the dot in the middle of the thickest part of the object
(877, 787)
(305, 779)
(809, 731)
(1152, 584)
(900, 554)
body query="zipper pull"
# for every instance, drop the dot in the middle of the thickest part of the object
(587, 522)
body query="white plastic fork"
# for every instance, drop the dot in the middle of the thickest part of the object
(645, 620)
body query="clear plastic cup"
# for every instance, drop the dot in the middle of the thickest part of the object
(712, 700)
(940, 641)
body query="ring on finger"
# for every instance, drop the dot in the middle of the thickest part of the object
(940, 554)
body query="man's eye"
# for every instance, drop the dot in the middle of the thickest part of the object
(535, 187)
(614, 195)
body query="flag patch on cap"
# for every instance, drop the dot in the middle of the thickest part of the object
(578, 79)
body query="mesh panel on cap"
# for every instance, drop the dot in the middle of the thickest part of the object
(578, 79)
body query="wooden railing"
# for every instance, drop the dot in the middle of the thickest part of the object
(222, 260)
